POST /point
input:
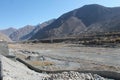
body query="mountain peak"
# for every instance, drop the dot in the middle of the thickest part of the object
(11, 28)
(8, 31)
(93, 5)
(91, 17)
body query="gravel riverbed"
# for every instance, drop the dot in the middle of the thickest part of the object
(12, 70)
(75, 76)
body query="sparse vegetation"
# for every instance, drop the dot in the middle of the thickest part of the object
(40, 63)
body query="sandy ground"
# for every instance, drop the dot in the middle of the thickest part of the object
(13, 70)
(70, 57)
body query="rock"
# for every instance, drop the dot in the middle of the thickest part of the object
(8, 78)
(75, 76)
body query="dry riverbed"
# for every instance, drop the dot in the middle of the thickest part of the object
(61, 56)
(68, 58)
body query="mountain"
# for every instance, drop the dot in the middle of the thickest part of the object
(89, 18)
(67, 28)
(8, 31)
(17, 35)
(3, 37)
(37, 28)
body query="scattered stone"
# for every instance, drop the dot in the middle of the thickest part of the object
(75, 76)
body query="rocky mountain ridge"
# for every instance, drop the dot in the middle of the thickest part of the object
(87, 19)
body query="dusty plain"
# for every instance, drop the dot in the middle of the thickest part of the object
(62, 56)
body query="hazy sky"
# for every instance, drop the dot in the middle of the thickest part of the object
(18, 13)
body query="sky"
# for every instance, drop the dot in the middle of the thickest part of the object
(18, 13)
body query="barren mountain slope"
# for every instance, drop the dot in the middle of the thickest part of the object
(95, 18)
